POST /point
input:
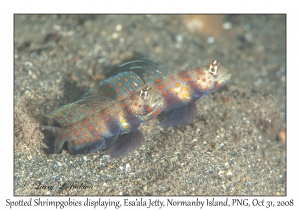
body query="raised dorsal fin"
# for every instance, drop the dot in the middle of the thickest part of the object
(78, 110)
(148, 70)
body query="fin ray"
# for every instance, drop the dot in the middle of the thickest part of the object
(179, 116)
(126, 143)
(78, 110)
(150, 71)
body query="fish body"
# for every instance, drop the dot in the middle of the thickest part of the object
(94, 123)
(119, 104)
(180, 90)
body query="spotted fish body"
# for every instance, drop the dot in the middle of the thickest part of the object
(94, 122)
(180, 90)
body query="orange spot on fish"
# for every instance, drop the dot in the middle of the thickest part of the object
(120, 84)
(80, 110)
(101, 130)
(177, 84)
(84, 140)
(98, 137)
(187, 78)
(91, 140)
(81, 129)
(126, 89)
(73, 109)
(126, 79)
(171, 88)
(76, 133)
(68, 135)
(78, 142)
(203, 80)
(180, 78)
(135, 104)
(107, 119)
(171, 77)
(165, 92)
(110, 86)
(168, 83)
(98, 123)
(90, 127)
(160, 87)
(121, 96)
(117, 90)
(123, 105)
(151, 77)
(157, 80)
(117, 111)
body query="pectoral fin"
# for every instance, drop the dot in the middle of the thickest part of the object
(180, 116)
(126, 143)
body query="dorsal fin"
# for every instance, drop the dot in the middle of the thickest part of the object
(78, 110)
(118, 87)
(150, 71)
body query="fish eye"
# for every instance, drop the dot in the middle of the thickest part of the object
(144, 94)
(213, 69)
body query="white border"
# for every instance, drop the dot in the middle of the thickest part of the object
(154, 6)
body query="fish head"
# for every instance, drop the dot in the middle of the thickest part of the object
(212, 76)
(153, 102)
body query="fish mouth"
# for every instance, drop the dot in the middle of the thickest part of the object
(224, 75)
(157, 102)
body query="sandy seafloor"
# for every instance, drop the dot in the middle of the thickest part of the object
(236, 144)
